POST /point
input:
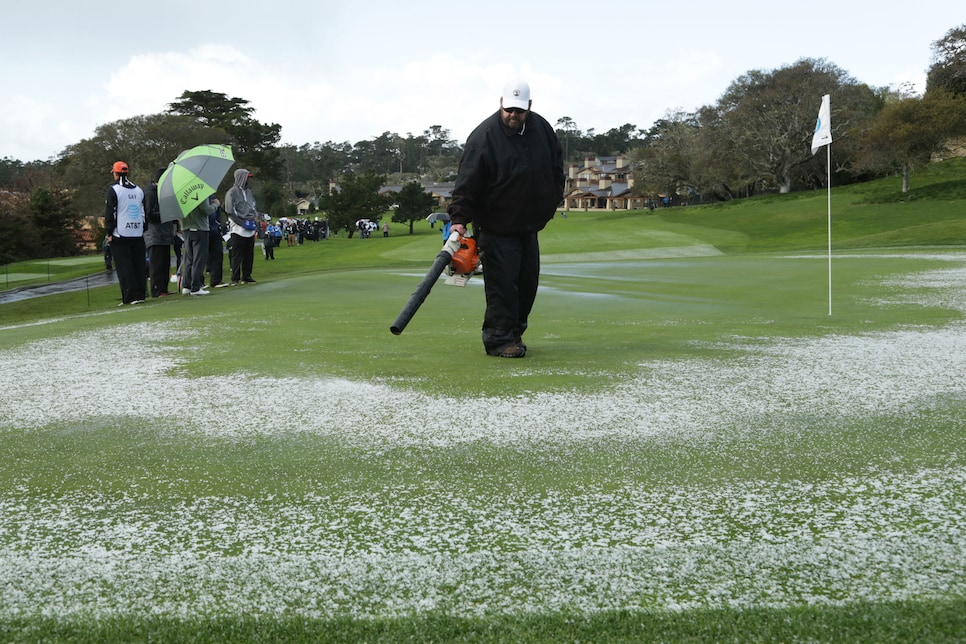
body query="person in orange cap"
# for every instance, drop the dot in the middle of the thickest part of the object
(124, 223)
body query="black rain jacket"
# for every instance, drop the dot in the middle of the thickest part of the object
(509, 183)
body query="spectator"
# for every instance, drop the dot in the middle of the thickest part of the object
(178, 252)
(268, 245)
(216, 247)
(240, 207)
(275, 232)
(124, 221)
(196, 248)
(108, 260)
(158, 238)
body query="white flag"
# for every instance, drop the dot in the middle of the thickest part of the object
(823, 126)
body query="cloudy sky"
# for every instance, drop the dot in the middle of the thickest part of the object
(349, 71)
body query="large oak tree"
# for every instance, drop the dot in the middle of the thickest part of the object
(948, 69)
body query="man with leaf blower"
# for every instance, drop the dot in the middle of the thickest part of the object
(509, 185)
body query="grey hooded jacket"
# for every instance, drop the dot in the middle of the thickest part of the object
(240, 204)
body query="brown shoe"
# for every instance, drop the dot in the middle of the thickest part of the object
(512, 351)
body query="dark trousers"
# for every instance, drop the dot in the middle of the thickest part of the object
(216, 258)
(241, 255)
(511, 274)
(129, 256)
(178, 245)
(195, 259)
(159, 268)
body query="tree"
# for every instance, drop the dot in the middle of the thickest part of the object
(54, 223)
(10, 169)
(331, 160)
(579, 145)
(757, 136)
(253, 143)
(272, 198)
(908, 131)
(566, 129)
(442, 154)
(309, 168)
(438, 141)
(357, 197)
(413, 204)
(146, 143)
(948, 69)
(212, 109)
(13, 227)
(380, 154)
(715, 176)
(617, 140)
(39, 220)
(769, 116)
(664, 163)
(412, 154)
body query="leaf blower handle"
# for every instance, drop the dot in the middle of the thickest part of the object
(452, 243)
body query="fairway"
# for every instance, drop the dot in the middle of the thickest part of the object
(688, 431)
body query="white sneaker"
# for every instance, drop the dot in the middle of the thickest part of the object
(186, 291)
(200, 291)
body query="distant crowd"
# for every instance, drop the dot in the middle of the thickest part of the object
(144, 225)
(289, 231)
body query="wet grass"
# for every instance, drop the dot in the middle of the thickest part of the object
(693, 450)
(889, 622)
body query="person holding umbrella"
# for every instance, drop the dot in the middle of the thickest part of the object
(124, 223)
(183, 191)
(242, 216)
(196, 247)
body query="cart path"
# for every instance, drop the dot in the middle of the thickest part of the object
(94, 280)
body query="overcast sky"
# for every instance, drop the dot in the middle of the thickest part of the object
(349, 71)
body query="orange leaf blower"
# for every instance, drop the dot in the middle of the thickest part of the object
(459, 257)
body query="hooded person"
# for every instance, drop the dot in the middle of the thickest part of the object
(242, 225)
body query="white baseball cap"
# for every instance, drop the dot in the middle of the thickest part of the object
(516, 93)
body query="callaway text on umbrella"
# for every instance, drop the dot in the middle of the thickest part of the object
(191, 178)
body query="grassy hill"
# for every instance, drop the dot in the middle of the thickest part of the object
(866, 215)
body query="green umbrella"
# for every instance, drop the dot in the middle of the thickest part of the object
(191, 178)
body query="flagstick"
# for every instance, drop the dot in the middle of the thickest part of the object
(828, 166)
